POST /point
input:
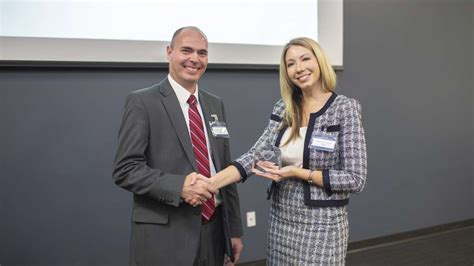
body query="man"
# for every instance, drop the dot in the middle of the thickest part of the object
(166, 140)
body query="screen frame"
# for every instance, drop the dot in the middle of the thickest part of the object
(66, 52)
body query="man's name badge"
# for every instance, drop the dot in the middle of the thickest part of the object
(219, 129)
(323, 142)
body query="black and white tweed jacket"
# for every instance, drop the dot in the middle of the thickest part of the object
(344, 170)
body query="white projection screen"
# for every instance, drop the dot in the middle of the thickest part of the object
(240, 32)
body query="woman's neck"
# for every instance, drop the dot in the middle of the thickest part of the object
(315, 97)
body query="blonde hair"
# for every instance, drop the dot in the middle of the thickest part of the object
(291, 94)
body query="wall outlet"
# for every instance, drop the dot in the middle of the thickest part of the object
(251, 219)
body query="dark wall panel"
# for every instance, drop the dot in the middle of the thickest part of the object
(409, 64)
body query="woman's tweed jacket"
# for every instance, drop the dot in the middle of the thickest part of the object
(308, 224)
(344, 170)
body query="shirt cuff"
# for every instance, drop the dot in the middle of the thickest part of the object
(242, 171)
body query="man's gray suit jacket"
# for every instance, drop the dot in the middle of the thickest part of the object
(154, 155)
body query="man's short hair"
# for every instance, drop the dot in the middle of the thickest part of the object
(178, 31)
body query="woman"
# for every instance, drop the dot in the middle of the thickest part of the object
(323, 149)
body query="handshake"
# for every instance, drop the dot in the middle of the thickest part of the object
(197, 189)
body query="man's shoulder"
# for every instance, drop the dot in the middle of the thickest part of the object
(144, 91)
(152, 89)
(209, 96)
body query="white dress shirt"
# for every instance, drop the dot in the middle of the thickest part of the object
(183, 96)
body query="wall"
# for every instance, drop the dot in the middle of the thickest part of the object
(407, 62)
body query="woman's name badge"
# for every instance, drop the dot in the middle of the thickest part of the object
(323, 142)
(219, 129)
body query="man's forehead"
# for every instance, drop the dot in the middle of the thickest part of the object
(192, 43)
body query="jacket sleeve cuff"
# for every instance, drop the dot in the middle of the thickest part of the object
(242, 171)
(326, 182)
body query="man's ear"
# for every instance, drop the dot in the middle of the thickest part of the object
(169, 50)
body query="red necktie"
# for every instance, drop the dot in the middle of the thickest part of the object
(198, 139)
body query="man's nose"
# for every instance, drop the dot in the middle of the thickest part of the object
(193, 57)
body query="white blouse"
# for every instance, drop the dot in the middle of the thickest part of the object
(292, 153)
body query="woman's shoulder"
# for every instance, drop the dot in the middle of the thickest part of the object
(347, 107)
(342, 100)
(279, 107)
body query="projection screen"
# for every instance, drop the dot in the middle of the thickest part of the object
(243, 32)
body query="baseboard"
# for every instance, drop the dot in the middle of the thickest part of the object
(353, 246)
(253, 263)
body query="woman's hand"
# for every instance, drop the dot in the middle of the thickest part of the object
(272, 172)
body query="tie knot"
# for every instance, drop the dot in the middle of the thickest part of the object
(192, 100)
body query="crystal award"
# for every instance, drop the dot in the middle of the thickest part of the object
(266, 152)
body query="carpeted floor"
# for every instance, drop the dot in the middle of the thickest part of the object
(454, 247)
(450, 248)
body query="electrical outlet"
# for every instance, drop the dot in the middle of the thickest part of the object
(251, 219)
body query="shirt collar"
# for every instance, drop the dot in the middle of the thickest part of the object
(182, 93)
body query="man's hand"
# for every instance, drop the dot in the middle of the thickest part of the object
(196, 189)
(237, 247)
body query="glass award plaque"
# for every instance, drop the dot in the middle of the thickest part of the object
(266, 152)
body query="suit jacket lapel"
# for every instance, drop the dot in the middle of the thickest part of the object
(207, 111)
(171, 104)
